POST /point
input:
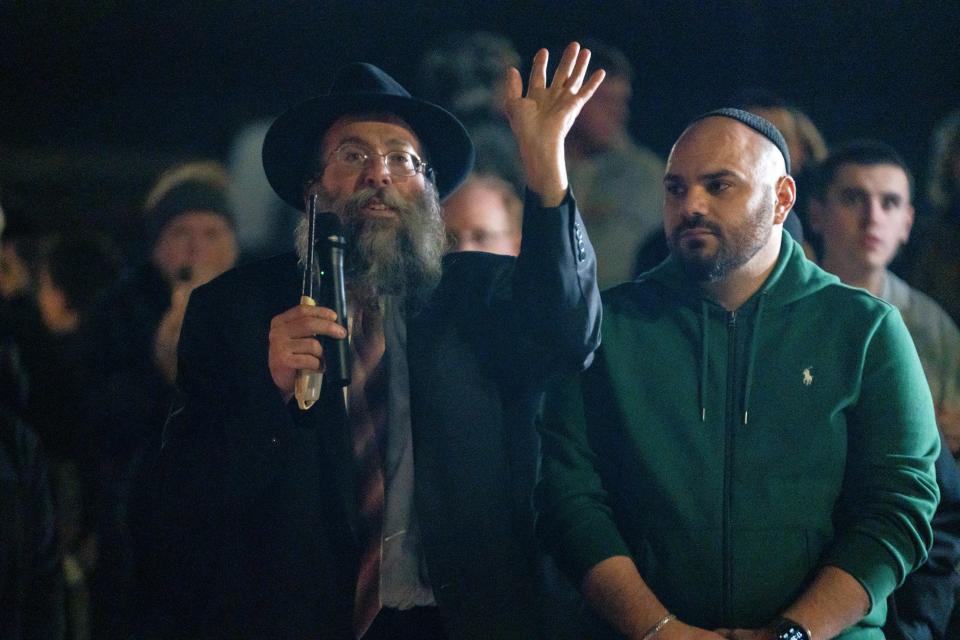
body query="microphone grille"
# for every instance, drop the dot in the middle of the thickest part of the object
(328, 224)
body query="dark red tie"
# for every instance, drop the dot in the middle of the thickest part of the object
(367, 402)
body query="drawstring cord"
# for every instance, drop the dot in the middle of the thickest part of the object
(751, 358)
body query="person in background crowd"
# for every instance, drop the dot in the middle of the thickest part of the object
(806, 144)
(484, 214)
(18, 249)
(934, 264)
(133, 337)
(13, 377)
(862, 212)
(31, 576)
(21, 330)
(751, 454)
(264, 222)
(465, 73)
(72, 273)
(31, 579)
(616, 181)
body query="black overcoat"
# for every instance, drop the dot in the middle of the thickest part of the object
(257, 512)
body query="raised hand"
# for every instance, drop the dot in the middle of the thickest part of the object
(541, 119)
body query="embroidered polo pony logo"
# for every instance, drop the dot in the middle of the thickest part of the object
(808, 376)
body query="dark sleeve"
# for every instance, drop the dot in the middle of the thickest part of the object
(194, 512)
(556, 301)
(921, 608)
(44, 602)
(576, 522)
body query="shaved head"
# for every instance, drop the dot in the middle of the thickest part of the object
(761, 156)
(727, 193)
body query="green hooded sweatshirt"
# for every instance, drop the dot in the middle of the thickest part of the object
(732, 454)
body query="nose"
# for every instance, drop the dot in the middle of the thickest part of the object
(375, 172)
(693, 203)
(872, 212)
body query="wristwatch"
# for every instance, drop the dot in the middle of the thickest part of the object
(787, 629)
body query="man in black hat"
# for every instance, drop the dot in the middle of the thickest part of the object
(400, 505)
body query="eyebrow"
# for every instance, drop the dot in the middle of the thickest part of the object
(894, 195)
(392, 143)
(713, 175)
(723, 173)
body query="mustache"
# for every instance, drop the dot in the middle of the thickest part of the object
(696, 222)
(356, 201)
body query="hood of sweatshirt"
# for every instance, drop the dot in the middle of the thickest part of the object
(793, 278)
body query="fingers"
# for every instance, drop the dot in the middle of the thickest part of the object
(579, 70)
(596, 78)
(569, 74)
(538, 72)
(303, 311)
(513, 88)
(294, 344)
(293, 338)
(305, 326)
(569, 57)
(303, 361)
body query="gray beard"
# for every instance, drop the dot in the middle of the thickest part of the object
(387, 257)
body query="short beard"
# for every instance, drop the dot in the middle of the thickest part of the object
(735, 246)
(399, 257)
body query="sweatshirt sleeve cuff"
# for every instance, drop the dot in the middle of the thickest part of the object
(858, 556)
(588, 542)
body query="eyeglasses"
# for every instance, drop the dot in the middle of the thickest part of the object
(402, 164)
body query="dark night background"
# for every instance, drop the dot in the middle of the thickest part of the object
(98, 96)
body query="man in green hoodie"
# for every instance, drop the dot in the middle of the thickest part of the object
(751, 453)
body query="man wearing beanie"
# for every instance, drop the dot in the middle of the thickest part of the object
(132, 338)
(751, 454)
(398, 505)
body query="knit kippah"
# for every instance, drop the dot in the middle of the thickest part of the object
(755, 122)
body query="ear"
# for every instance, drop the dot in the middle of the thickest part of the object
(786, 192)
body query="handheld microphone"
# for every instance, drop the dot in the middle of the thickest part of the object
(332, 246)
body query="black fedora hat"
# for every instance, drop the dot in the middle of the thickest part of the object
(290, 147)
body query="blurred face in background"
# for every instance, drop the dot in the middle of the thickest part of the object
(864, 218)
(602, 122)
(483, 216)
(196, 246)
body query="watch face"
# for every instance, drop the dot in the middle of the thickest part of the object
(792, 632)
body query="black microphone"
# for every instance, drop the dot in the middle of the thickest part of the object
(331, 246)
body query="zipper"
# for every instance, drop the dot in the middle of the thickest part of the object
(729, 427)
